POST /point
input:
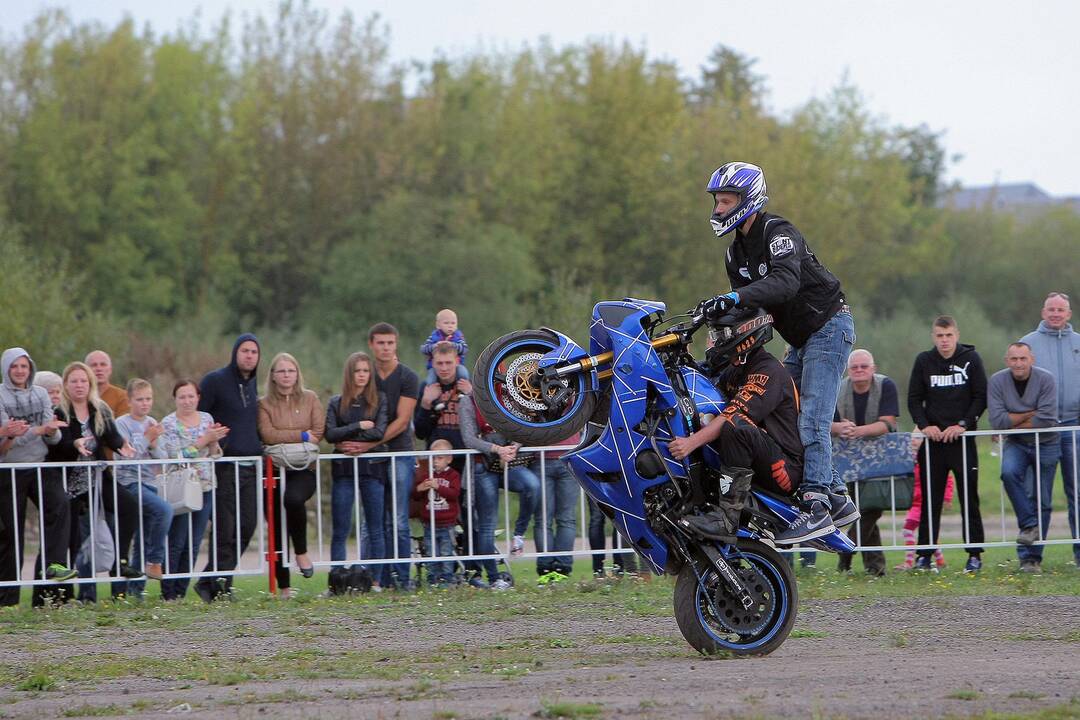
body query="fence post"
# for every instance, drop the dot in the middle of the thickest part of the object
(271, 556)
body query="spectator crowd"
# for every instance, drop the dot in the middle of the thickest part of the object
(124, 518)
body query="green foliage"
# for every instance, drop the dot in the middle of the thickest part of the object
(279, 176)
(46, 309)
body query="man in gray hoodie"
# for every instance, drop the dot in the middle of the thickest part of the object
(1057, 350)
(23, 401)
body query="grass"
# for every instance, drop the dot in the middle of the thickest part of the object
(807, 634)
(568, 710)
(1067, 711)
(235, 652)
(963, 695)
(93, 711)
(37, 682)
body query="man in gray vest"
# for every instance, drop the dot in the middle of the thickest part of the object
(867, 406)
(1056, 347)
(1024, 396)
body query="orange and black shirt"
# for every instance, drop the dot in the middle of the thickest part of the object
(762, 393)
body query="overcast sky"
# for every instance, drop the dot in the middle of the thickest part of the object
(1002, 79)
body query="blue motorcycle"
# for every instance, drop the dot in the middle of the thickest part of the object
(636, 389)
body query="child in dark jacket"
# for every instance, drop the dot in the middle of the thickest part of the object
(438, 487)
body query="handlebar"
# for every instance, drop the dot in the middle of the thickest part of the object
(675, 335)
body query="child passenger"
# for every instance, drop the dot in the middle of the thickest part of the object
(439, 487)
(446, 330)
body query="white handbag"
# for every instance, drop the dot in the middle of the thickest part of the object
(294, 456)
(181, 487)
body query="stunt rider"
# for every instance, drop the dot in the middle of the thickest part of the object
(758, 431)
(770, 266)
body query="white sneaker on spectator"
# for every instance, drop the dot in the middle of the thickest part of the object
(501, 584)
(517, 545)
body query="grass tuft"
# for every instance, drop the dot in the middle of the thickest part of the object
(38, 682)
(568, 710)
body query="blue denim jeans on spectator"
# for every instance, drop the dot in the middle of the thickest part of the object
(182, 553)
(817, 368)
(399, 487)
(1070, 443)
(486, 486)
(562, 499)
(1031, 509)
(439, 571)
(372, 496)
(157, 517)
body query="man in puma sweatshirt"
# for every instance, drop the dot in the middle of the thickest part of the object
(946, 396)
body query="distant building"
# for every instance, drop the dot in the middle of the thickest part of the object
(1013, 197)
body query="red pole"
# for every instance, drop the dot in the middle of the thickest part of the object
(271, 555)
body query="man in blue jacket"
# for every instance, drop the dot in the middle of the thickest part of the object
(230, 395)
(1056, 347)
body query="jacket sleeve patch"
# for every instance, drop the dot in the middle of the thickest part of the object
(781, 245)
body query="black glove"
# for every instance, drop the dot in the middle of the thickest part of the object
(714, 307)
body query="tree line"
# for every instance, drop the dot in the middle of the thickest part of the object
(287, 175)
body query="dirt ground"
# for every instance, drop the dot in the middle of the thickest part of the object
(910, 658)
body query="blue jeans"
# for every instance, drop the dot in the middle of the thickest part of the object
(157, 516)
(439, 571)
(1071, 481)
(486, 487)
(372, 492)
(401, 488)
(182, 558)
(817, 368)
(1030, 509)
(562, 496)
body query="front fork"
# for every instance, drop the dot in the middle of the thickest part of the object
(717, 560)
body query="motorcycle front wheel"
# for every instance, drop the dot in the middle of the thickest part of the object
(713, 620)
(514, 400)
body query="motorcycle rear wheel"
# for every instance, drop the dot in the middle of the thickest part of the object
(505, 391)
(755, 631)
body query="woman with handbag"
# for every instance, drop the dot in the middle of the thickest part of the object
(90, 429)
(291, 424)
(188, 433)
(355, 422)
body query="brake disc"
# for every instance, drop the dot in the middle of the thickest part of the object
(520, 377)
(733, 617)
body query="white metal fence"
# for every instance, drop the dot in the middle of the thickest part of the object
(1000, 526)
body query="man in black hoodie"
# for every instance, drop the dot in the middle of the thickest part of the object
(230, 395)
(946, 396)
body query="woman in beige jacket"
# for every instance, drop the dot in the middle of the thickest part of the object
(288, 413)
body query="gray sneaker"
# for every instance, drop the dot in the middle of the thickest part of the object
(843, 509)
(813, 522)
(501, 585)
(1028, 536)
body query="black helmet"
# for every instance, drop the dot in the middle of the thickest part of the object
(737, 334)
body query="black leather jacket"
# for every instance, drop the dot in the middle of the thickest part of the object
(772, 268)
(346, 426)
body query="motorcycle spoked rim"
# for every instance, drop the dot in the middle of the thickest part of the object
(498, 396)
(781, 603)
